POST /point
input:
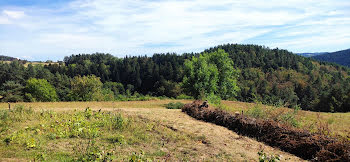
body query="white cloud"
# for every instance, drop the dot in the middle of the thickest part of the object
(4, 20)
(14, 14)
(129, 27)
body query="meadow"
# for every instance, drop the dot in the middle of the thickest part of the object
(141, 131)
(118, 131)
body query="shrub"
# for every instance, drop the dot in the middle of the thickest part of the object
(40, 90)
(213, 99)
(256, 112)
(184, 97)
(174, 105)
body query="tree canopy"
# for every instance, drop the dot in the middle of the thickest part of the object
(270, 76)
(210, 73)
(40, 90)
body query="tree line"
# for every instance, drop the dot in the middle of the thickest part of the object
(257, 74)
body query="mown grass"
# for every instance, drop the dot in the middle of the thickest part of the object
(57, 106)
(332, 124)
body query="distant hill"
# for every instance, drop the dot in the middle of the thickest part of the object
(339, 57)
(311, 54)
(7, 58)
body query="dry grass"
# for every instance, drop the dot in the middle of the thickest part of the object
(331, 123)
(57, 106)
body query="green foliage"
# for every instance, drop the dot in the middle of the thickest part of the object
(290, 117)
(257, 112)
(138, 157)
(86, 88)
(168, 88)
(93, 153)
(210, 73)
(213, 99)
(184, 97)
(41, 90)
(174, 105)
(11, 92)
(119, 139)
(264, 75)
(116, 88)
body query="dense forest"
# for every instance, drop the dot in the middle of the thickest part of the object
(270, 76)
(339, 57)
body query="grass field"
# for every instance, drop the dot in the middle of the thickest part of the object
(122, 131)
(137, 130)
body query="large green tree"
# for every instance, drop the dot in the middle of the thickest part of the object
(11, 92)
(86, 88)
(210, 73)
(40, 90)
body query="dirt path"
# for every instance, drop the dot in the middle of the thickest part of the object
(218, 140)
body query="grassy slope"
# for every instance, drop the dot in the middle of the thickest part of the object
(160, 133)
(332, 123)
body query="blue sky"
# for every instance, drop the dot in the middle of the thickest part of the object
(48, 29)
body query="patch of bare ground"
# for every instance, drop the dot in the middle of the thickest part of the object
(214, 142)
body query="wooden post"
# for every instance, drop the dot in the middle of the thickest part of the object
(9, 106)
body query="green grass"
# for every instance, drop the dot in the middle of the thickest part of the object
(174, 105)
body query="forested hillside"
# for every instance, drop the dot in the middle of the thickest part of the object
(270, 76)
(339, 57)
(7, 58)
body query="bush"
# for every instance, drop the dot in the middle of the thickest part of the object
(174, 105)
(213, 99)
(184, 97)
(40, 90)
(256, 112)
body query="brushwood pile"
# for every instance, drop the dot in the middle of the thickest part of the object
(299, 142)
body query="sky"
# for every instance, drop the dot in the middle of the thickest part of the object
(51, 29)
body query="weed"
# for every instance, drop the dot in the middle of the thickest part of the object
(263, 157)
(138, 157)
(118, 139)
(256, 112)
(118, 122)
(290, 119)
(40, 157)
(93, 153)
(30, 143)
